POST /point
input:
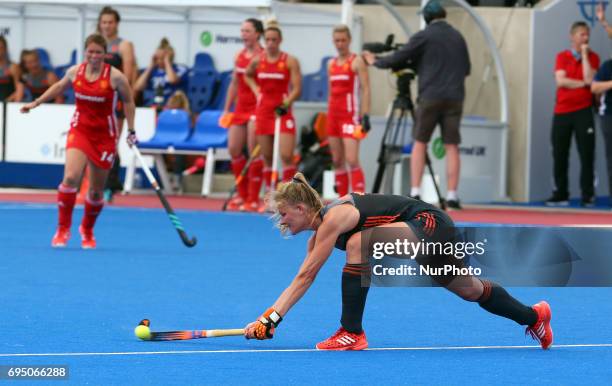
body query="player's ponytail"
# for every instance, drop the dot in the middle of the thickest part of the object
(296, 191)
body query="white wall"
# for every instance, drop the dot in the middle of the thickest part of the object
(307, 31)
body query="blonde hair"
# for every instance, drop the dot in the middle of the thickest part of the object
(296, 191)
(178, 100)
(164, 44)
(342, 28)
(272, 25)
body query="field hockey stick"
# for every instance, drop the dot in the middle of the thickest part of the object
(240, 177)
(275, 152)
(173, 217)
(189, 334)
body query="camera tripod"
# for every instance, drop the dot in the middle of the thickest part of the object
(393, 138)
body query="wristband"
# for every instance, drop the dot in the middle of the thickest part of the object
(272, 316)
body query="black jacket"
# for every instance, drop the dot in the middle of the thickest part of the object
(440, 56)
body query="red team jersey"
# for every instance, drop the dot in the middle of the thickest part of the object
(245, 99)
(343, 108)
(273, 79)
(93, 128)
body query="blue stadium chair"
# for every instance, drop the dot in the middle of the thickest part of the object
(201, 85)
(203, 61)
(317, 88)
(60, 71)
(306, 80)
(207, 136)
(43, 55)
(324, 60)
(218, 101)
(173, 126)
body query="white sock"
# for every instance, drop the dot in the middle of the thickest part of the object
(415, 192)
(451, 195)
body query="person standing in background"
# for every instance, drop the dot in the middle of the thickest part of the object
(348, 108)
(442, 61)
(242, 127)
(574, 72)
(276, 80)
(119, 54)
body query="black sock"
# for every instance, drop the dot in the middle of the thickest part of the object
(354, 296)
(498, 301)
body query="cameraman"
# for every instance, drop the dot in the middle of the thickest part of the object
(439, 54)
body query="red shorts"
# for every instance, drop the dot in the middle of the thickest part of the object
(241, 118)
(341, 125)
(101, 152)
(264, 124)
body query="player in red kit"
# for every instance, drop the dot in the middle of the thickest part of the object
(242, 128)
(93, 135)
(348, 112)
(275, 78)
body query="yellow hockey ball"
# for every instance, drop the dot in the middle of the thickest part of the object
(143, 332)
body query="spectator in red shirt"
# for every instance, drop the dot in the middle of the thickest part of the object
(574, 72)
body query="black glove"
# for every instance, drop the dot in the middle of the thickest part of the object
(131, 137)
(365, 123)
(281, 110)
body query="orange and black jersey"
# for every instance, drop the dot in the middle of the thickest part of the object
(380, 209)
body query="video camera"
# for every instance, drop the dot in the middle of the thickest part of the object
(405, 71)
(379, 48)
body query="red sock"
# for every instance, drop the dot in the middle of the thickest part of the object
(267, 176)
(66, 197)
(341, 182)
(255, 174)
(357, 180)
(288, 173)
(92, 210)
(237, 166)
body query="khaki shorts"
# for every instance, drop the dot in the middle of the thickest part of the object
(446, 113)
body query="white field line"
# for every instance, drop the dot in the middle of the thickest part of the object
(247, 351)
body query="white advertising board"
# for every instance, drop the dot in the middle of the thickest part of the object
(40, 136)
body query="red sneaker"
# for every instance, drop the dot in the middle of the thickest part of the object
(235, 203)
(541, 331)
(88, 241)
(343, 340)
(60, 238)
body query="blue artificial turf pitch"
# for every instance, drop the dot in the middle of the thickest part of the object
(79, 308)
